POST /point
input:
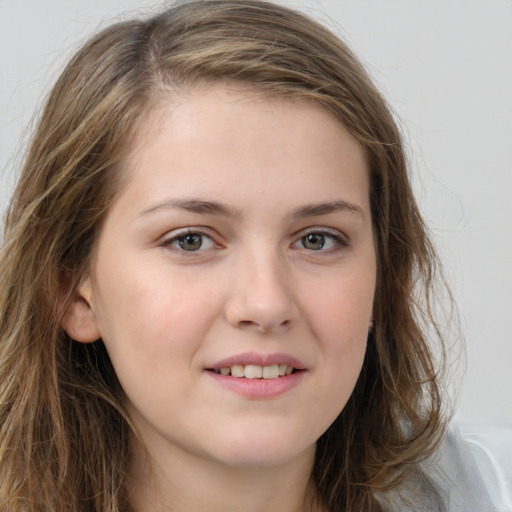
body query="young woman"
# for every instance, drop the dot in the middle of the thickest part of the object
(216, 285)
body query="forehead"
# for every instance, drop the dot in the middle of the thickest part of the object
(207, 140)
(215, 97)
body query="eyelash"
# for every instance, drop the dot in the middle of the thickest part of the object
(169, 242)
(338, 241)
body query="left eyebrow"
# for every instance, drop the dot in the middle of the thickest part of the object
(202, 206)
(317, 209)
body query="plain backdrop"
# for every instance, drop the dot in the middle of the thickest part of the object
(446, 68)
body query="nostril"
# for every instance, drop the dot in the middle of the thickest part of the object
(250, 324)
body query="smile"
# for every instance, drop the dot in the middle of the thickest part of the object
(255, 371)
(258, 376)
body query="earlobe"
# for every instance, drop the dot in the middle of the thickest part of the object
(78, 318)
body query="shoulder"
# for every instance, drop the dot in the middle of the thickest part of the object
(471, 471)
(455, 471)
(486, 456)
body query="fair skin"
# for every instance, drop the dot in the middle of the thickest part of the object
(241, 242)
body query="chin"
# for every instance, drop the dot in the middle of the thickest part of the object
(265, 451)
(261, 460)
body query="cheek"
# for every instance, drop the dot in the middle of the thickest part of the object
(152, 326)
(341, 320)
(342, 307)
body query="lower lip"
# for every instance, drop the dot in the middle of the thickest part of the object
(259, 388)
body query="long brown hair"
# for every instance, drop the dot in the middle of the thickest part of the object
(63, 433)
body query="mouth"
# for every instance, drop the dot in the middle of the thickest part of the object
(258, 376)
(256, 371)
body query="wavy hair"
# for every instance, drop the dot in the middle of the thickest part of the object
(64, 437)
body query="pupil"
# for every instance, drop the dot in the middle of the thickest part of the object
(190, 242)
(313, 241)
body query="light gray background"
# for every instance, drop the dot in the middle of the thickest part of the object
(445, 66)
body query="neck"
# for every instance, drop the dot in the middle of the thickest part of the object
(183, 482)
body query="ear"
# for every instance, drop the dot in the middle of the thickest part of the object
(78, 318)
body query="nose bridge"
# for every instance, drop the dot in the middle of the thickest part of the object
(262, 295)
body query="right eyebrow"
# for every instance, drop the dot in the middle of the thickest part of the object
(194, 205)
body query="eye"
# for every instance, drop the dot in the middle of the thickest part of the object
(190, 242)
(320, 241)
(314, 241)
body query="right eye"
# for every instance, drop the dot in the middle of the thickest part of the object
(190, 242)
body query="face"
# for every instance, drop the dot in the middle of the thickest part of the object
(233, 279)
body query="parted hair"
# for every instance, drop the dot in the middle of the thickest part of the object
(64, 436)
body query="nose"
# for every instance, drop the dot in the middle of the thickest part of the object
(262, 297)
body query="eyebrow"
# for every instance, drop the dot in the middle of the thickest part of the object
(317, 209)
(194, 206)
(203, 206)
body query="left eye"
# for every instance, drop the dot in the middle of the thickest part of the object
(191, 242)
(319, 241)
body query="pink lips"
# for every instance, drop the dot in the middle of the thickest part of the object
(259, 359)
(258, 388)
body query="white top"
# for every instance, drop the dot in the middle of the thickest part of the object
(473, 471)
(489, 450)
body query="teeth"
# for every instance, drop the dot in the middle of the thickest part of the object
(255, 371)
(237, 370)
(271, 372)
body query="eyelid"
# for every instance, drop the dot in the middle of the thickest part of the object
(172, 236)
(339, 238)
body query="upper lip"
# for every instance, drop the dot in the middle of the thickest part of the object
(258, 359)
